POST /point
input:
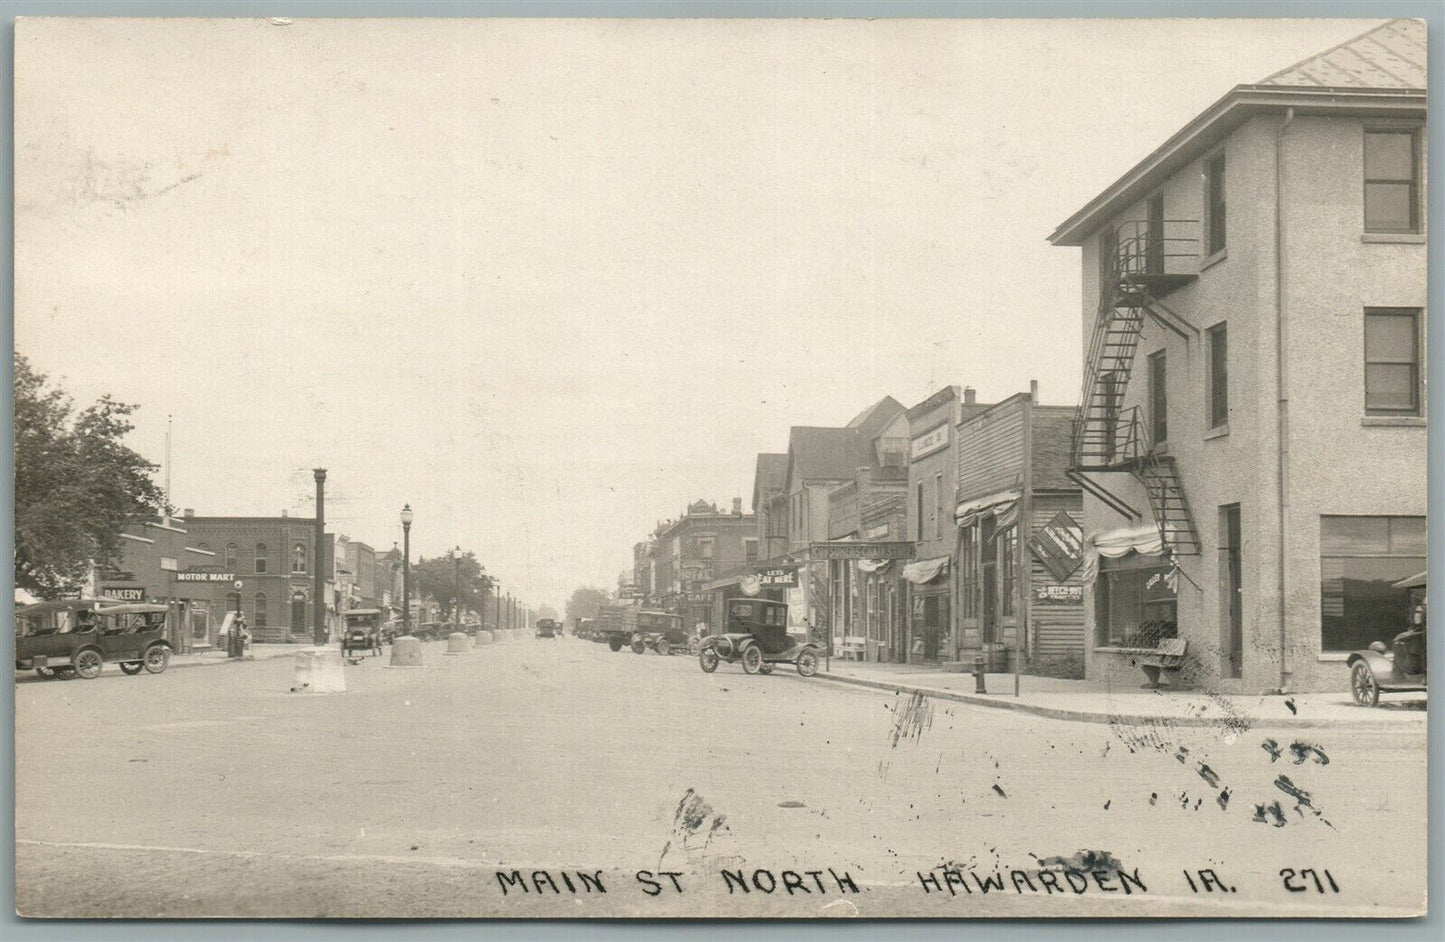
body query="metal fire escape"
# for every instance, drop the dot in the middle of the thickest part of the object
(1148, 261)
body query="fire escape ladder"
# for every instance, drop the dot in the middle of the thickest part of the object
(1161, 480)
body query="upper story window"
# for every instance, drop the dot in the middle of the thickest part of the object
(1158, 397)
(750, 550)
(1392, 180)
(1218, 351)
(704, 547)
(232, 553)
(919, 514)
(260, 558)
(1392, 361)
(298, 558)
(1214, 203)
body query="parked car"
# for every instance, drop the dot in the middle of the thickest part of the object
(362, 632)
(77, 637)
(662, 633)
(757, 635)
(548, 628)
(1401, 667)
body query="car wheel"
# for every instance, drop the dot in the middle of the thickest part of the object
(694, 646)
(1363, 685)
(808, 663)
(708, 660)
(765, 668)
(157, 658)
(752, 659)
(88, 663)
(664, 648)
(65, 673)
(615, 644)
(638, 647)
(132, 667)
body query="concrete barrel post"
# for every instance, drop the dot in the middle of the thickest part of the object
(406, 652)
(483, 637)
(457, 643)
(319, 671)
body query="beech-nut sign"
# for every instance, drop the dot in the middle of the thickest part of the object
(1059, 545)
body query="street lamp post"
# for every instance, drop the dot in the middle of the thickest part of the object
(235, 641)
(457, 559)
(406, 518)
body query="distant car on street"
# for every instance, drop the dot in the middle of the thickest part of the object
(363, 631)
(548, 628)
(76, 637)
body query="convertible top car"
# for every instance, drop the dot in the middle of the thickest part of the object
(1401, 667)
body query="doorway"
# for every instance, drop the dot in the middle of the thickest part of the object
(298, 613)
(988, 576)
(1231, 575)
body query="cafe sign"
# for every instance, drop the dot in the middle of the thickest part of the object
(196, 575)
(853, 549)
(780, 576)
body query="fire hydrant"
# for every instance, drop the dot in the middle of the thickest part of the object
(978, 674)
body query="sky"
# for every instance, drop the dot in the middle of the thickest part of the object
(548, 282)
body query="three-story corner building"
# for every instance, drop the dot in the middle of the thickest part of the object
(1251, 432)
(689, 553)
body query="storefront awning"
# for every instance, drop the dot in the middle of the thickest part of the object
(1145, 540)
(1414, 582)
(1000, 504)
(926, 570)
(873, 565)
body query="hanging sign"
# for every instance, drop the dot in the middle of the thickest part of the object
(852, 549)
(1059, 545)
(779, 576)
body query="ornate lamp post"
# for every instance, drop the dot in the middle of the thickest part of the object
(406, 518)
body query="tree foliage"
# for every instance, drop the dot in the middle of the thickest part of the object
(438, 577)
(546, 611)
(76, 483)
(585, 602)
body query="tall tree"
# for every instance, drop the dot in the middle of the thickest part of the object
(585, 602)
(76, 483)
(437, 577)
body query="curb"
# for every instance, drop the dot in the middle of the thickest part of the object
(1111, 719)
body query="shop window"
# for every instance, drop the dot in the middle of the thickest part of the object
(1008, 548)
(705, 546)
(1392, 361)
(968, 571)
(260, 558)
(1361, 558)
(1135, 603)
(298, 558)
(259, 619)
(1392, 180)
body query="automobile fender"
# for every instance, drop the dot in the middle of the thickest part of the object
(1382, 666)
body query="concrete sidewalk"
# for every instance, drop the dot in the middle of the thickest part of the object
(1093, 702)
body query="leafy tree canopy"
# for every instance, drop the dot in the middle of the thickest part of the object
(438, 577)
(76, 483)
(585, 602)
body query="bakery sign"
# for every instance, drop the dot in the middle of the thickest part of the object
(124, 593)
(929, 442)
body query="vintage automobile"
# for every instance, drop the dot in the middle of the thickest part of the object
(1400, 668)
(362, 632)
(663, 633)
(584, 630)
(757, 635)
(548, 628)
(391, 630)
(76, 637)
(429, 631)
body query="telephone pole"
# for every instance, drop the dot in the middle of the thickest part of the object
(318, 593)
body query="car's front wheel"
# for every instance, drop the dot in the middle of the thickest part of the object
(1363, 685)
(664, 648)
(615, 644)
(708, 660)
(132, 667)
(808, 663)
(638, 647)
(752, 659)
(88, 663)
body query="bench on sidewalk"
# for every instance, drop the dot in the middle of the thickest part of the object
(1166, 659)
(853, 646)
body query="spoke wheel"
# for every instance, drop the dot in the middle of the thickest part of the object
(1363, 685)
(664, 648)
(158, 657)
(808, 663)
(88, 663)
(708, 660)
(638, 647)
(765, 668)
(132, 667)
(752, 659)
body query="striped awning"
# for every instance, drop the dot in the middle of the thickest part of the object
(925, 571)
(1002, 505)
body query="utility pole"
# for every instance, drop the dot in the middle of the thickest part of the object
(457, 559)
(318, 594)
